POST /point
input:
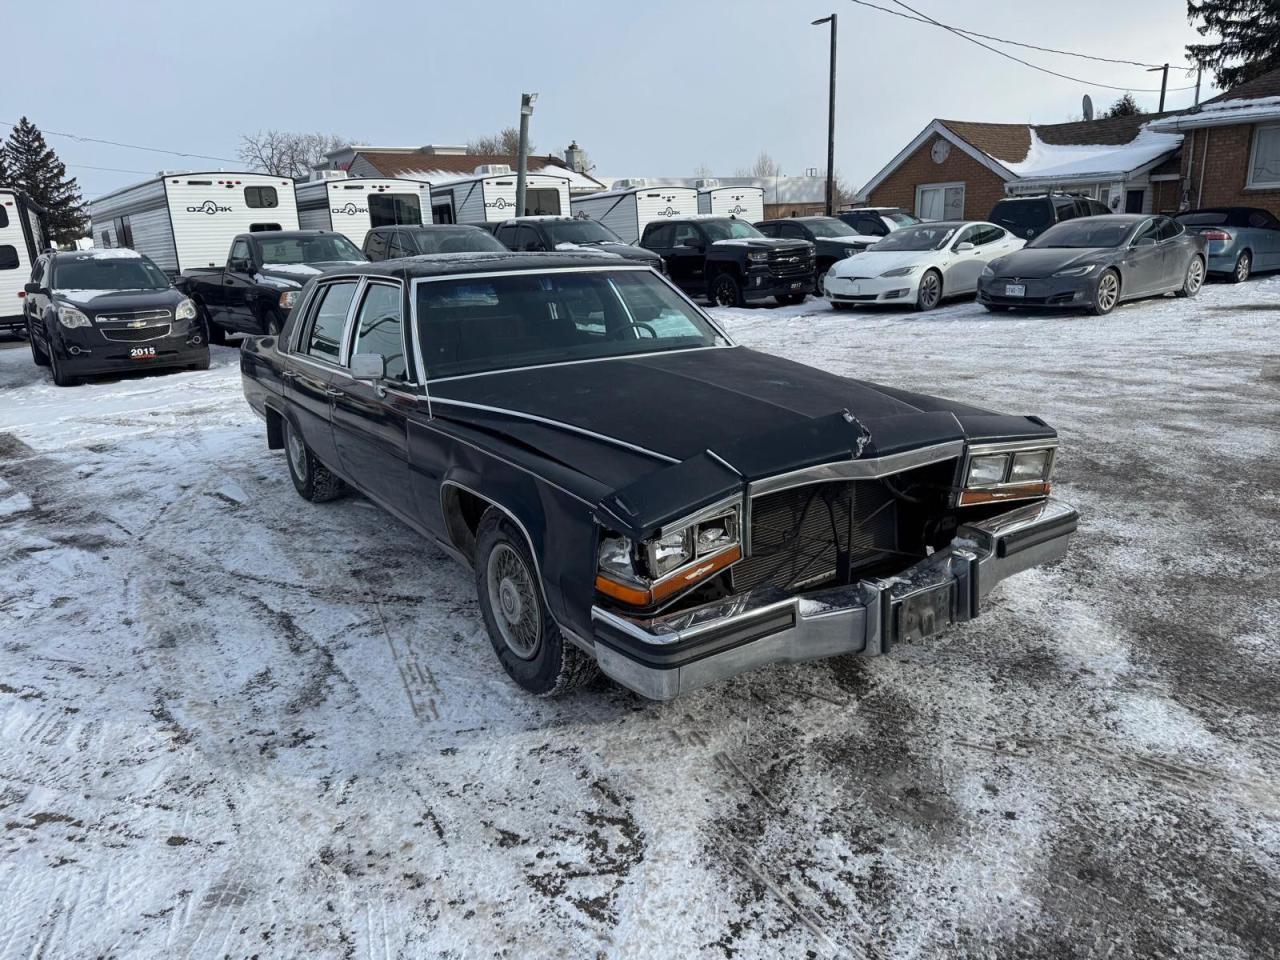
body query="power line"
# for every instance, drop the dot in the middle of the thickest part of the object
(86, 166)
(971, 36)
(130, 146)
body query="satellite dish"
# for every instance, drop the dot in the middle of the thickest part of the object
(1087, 107)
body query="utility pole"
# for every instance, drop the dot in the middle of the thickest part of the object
(1199, 70)
(522, 161)
(1164, 84)
(831, 119)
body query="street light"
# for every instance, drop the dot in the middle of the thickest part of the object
(522, 161)
(831, 119)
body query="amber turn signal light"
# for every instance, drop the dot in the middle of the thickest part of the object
(1021, 491)
(674, 583)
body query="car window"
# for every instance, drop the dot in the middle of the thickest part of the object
(969, 235)
(794, 231)
(375, 246)
(1167, 229)
(1065, 209)
(769, 229)
(1149, 234)
(1023, 217)
(324, 339)
(240, 250)
(527, 239)
(685, 234)
(1263, 220)
(991, 233)
(379, 328)
(659, 236)
(261, 197)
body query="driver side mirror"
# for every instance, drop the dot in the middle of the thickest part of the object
(368, 366)
(239, 266)
(964, 247)
(32, 287)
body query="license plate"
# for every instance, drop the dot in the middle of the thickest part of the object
(923, 614)
(142, 353)
(855, 288)
(1015, 290)
(797, 285)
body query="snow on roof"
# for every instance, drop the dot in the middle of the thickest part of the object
(441, 178)
(1058, 161)
(1223, 112)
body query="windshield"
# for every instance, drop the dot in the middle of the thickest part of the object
(291, 250)
(455, 240)
(929, 236)
(102, 273)
(830, 227)
(900, 219)
(581, 231)
(1022, 214)
(729, 230)
(481, 323)
(1089, 232)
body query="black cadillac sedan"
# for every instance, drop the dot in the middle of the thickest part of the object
(1096, 263)
(106, 311)
(633, 492)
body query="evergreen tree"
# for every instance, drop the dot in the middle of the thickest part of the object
(37, 171)
(4, 169)
(1126, 106)
(1248, 34)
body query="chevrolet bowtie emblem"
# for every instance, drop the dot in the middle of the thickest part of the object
(132, 324)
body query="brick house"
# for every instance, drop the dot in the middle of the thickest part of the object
(959, 168)
(1231, 147)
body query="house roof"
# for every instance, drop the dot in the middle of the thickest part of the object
(1074, 150)
(443, 167)
(1252, 102)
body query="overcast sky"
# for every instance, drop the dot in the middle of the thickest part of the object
(652, 89)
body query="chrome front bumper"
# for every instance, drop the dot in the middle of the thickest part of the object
(663, 657)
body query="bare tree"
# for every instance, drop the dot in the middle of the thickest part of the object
(765, 166)
(288, 154)
(504, 143)
(703, 172)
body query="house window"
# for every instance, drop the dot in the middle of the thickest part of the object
(1264, 164)
(940, 201)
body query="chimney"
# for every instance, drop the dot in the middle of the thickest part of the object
(576, 158)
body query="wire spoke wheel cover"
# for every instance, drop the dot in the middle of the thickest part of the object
(514, 601)
(1108, 291)
(297, 452)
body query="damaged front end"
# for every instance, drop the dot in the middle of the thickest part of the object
(841, 537)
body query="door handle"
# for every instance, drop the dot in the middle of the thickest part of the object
(333, 392)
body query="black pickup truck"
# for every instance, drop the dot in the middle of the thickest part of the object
(729, 261)
(257, 288)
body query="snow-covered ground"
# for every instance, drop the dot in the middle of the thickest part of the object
(233, 723)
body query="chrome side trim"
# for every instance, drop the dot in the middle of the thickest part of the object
(557, 423)
(979, 449)
(858, 469)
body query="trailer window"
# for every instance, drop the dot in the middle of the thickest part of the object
(394, 209)
(124, 232)
(4, 218)
(543, 202)
(258, 197)
(8, 257)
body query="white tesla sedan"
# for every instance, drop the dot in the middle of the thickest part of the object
(919, 265)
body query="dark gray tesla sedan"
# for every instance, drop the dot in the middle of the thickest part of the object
(1096, 262)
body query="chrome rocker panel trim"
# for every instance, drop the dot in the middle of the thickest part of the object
(666, 656)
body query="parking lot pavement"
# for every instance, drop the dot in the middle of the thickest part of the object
(235, 723)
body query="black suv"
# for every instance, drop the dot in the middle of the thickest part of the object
(832, 239)
(544, 234)
(877, 221)
(105, 311)
(391, 243)
(729, 261)
(1028, 217)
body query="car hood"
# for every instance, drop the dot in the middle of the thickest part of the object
(107, 301)
(873, 262)
(294, 275)
(624, 250)
(664, 434)
(1045, 262)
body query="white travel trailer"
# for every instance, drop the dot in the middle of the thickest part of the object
(185, 220)
(745, 203)
(21, 240)
(354, 205)
(631, 205)
(490, 194)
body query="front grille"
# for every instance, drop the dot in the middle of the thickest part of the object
(126, 334)
(799, 537)
(790, 263)
(130, 316)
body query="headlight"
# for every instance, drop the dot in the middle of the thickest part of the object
(1031, 467)
(901, 271)
(288, 299)
(987, 471)
(988, 271)
(757, 256)
(186, 311)
(71, 318)
(1084, 271)
(681, 556)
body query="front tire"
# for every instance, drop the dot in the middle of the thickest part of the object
(311, 478)
(929, 294)
(1194, 278)
(60, 375)
(1107, 295)
(726, 291)
(272, 323)
(525, 636)
(1243, 268)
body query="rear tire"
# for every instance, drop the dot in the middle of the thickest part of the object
(39, 356)
(1243, 268)
(725, 291)
(929, 294)
(1107, 295)
(1193, 280)
(311, 478)
(525, 637)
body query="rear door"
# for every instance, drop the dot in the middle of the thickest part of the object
(315, 360)
(370, 419)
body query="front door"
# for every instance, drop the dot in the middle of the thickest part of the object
(687, 258)
(369, 419)
(314, 369)
(237, 281)
(1133, 201)
(1144, 262)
